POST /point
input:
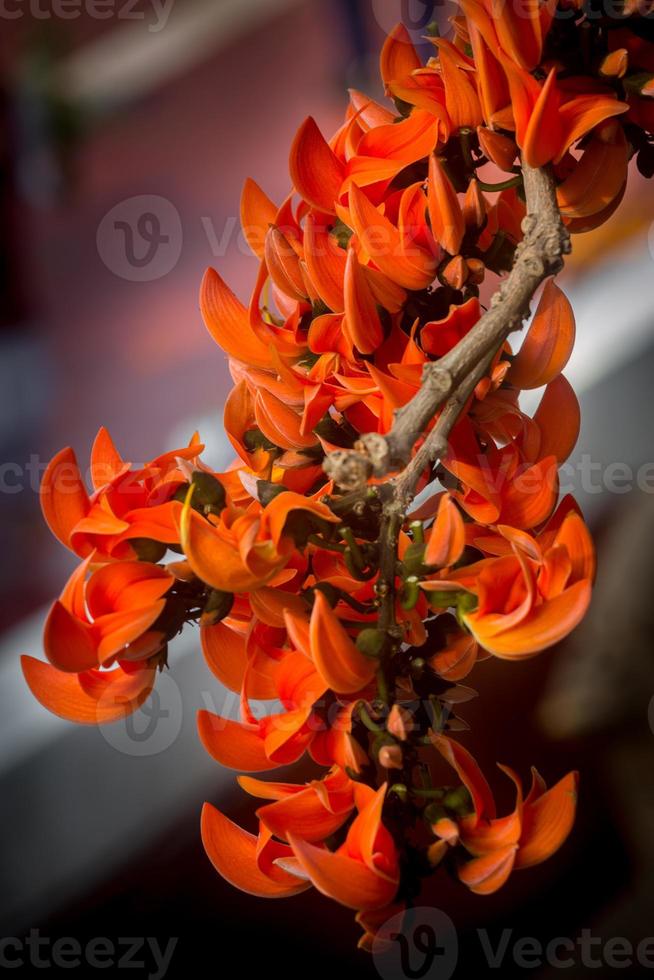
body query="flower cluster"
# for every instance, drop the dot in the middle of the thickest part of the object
(369, 272)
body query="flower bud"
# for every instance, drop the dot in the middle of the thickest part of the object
(390, 757)
(208, 492)
(372, 642)
(400, 722)
(615, 64)
(501, 150)
(217, 606)
(455, 272)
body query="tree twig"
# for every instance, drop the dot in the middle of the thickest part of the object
(539, 255)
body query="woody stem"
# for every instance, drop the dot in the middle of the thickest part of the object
(539, 255)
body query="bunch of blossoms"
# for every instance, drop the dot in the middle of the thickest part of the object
(368, 374)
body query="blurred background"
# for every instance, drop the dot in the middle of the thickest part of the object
(126, 131)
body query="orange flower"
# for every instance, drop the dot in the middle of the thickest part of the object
(126, 504)
(91, 697)
(245, 548)
(363, 873)
(99, 618)
(538, 826)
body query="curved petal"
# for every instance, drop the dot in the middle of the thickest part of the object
(484, 875)
(228, 322)
(547, 822)
(233, 744)
(64, 500)
(545, 625)
(316, 171)
(447, 538)
(342, 878)
(336, 657)
(233, 853)
(91, 698)
(549, 342)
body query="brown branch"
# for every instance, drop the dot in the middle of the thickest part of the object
(539, 255)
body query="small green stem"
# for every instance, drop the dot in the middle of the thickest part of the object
(504, 185)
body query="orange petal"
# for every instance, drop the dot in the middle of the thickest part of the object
(304, 815)
(316, 171)
(342, 878)
(233, 853)
(519, 30)
(558, 417)
(545, 625)
(549, 342)
(398, 57)
(445, 214)
(461, 99)
(233, 744)
(64, 499)
(225, 653)
(106, 461)
(598, 177)
(547, 822)
(447, 538)
(257, 213)
(361, 316)
(575, 537)
(228, 322)
(585, 112)
(68, 643)
(542, 141)
(325, 261)
(91, 698)
(336, 657)
(530, 496)
(280, 423)
(383, 242)
(469, 773)
(216, 561)
(284, 265)
(484, 875)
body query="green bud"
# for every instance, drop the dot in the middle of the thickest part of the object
(414, 558)
(410, 593)
(466, 602)
(148, 550)
(417, 531)
(217, 606)
(434, 812)
(208, 492)
(458, 800)
(400, 790)
(441, 599)
(372, 643)
(267, 491)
